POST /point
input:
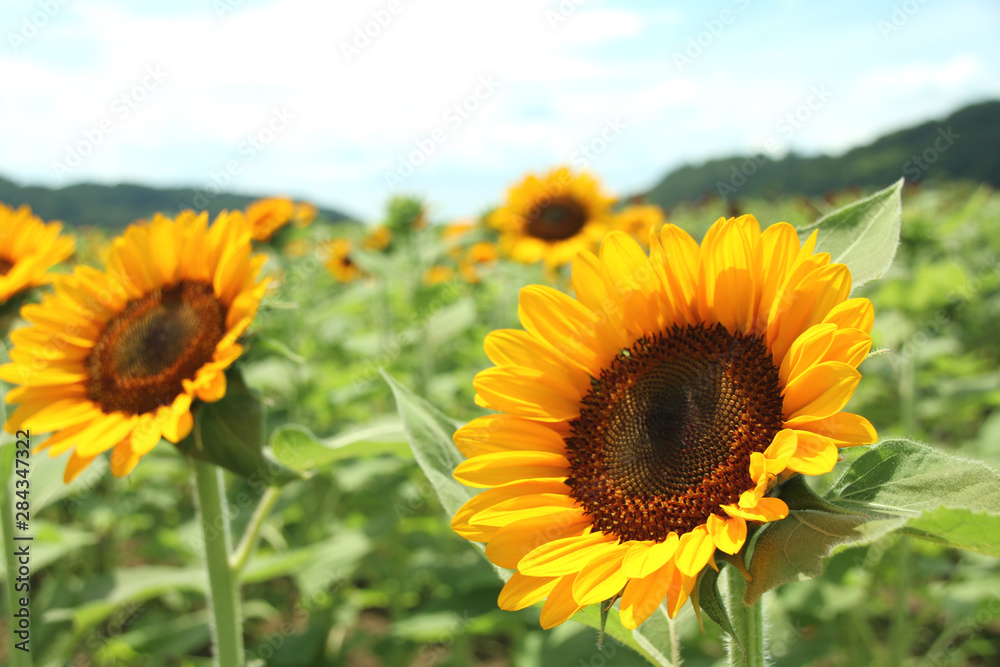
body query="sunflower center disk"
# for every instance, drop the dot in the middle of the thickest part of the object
(5, 266)
(147, 351)
(557, 219)
(665, 435)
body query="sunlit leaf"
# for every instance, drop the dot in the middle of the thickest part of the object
(863, 235)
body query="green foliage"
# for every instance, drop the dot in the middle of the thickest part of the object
(863, 235)
(230, 434)
(896, 485)
(357, 563)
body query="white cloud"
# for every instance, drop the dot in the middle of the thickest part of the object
(359, 107)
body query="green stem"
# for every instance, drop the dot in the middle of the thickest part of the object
(18, 658)
(223, 587)
(748, 622)
(242, 553)
(899, 633)
(675, 645)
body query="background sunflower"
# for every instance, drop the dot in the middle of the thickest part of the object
(113, 359)
(552, 217)
(28, 249)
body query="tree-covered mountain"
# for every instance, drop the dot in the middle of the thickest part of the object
(115, 206)
(965, 146)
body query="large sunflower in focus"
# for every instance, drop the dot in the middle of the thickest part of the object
(552, 218)
(645, 423)
(114, 358)
(28, 248)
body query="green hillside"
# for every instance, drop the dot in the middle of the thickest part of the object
(963, 146)
(115, 206)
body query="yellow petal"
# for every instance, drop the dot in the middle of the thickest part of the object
(776, 252)
(560, 605)
(728, 294)
(806, 350)
(104, 434)
(644, 558)
(569, 327)
(497, 433)
(728, 534)
(513, 347)
(522, 591)
(814, 454)
(820, 391)
(527, 393)
(601, 578)
(123, 458)
(803, 304)
(856, 313)
(75, 466)
(502, 468)
(767, 509)
(694, 551)
(565, 556)
(513, 542)
(844, 428)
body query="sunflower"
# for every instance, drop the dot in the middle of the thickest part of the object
(438, 274)
(645, 423)
(482, 252)
(114, 358)
(552, 217)
(457, 229)
(28, 248)
(266, 216)
(378, 238)
(339, 262)
(638, 221)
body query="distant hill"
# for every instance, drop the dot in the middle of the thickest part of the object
(115, 206)
(965, 145)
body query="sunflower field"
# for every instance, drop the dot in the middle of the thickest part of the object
(572, 431)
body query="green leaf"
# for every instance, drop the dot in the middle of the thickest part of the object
(278, 347)
(135, 585)
(896, 485)
(297, 448)
(643, 640)
(710, 603)
(904, 477)
(795, 547)
(863, 235)
(430, 433)
(230, 434)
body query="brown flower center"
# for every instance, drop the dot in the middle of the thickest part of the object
(146, 352)
(5, 266)
(556, 219)
(665, 435)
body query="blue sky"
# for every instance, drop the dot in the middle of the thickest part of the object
(455, 100)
